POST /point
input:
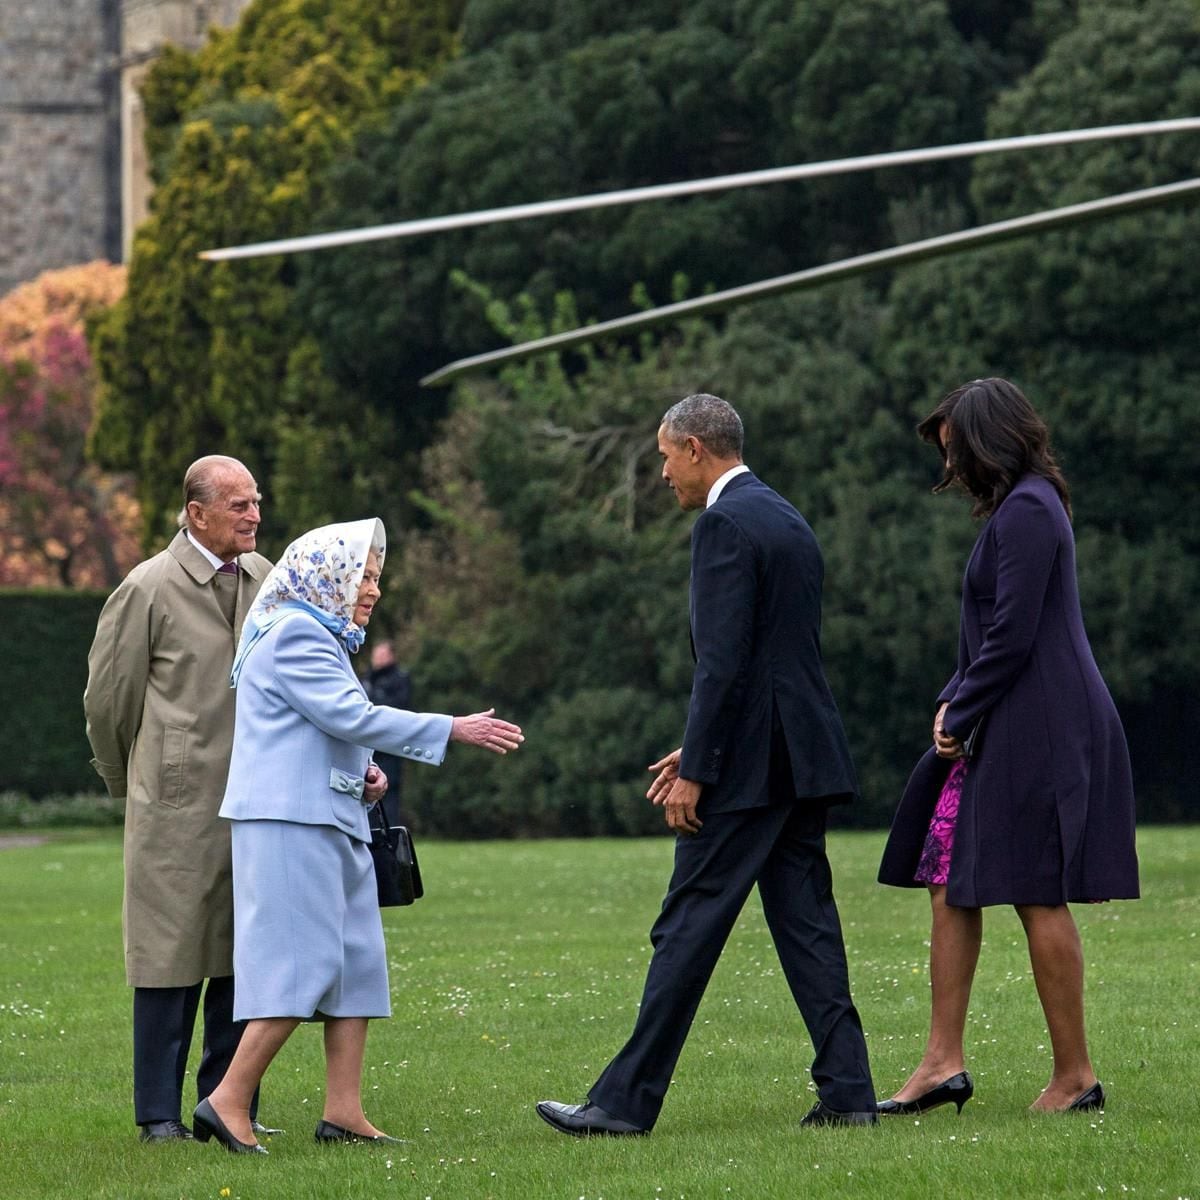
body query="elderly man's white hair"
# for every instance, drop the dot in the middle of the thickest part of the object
(203, 482)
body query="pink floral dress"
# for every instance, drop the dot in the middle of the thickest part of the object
(934, 866)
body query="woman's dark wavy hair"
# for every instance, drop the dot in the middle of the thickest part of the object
(995, 438)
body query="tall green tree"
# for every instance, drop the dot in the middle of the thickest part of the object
(1093, 323)
(534, 563)
(200, 358)
(1099, 325)
(559, 99)
(551, 581)
(552, 577)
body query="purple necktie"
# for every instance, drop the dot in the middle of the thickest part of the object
(229, 568)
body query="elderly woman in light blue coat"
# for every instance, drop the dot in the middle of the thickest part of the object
(308, 939)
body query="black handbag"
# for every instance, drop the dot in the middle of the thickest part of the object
(970, 746)
(397, 872)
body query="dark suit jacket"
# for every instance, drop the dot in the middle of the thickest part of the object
(1047, 811)
(759, 692)
(390, 685)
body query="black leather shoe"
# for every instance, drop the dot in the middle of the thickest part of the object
(327, 1132)
(208, 1125)
(165, 1131)
(1090, 1101)
(585, 1120)
(261, 1130)
(820, 1115)
(958, 1089)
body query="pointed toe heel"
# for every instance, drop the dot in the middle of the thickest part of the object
(206, 1124)
(1090, 1101)
(327, 1132)
(956, 1090)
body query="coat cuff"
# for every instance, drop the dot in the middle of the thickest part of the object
(116, 779)
(701, 766)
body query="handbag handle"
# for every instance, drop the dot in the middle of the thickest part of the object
(389, 834)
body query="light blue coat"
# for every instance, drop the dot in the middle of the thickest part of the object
(305, 731)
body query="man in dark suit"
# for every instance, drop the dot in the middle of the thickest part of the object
(763, 756)
(388, 683)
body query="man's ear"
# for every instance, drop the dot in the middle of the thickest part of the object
(695, 448)
(195, 511)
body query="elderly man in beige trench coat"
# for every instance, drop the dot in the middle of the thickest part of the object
(160, 721)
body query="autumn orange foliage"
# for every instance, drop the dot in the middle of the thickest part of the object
(63, 522)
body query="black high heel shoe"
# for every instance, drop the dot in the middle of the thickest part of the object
(1090, 1101)
(206, 1124)
(958, 1089)
(327, 1132)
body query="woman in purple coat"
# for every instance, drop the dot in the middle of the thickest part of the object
(1025, 796)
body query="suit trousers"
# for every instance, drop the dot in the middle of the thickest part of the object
(392, 765)
(782, 849)
(163, 1020)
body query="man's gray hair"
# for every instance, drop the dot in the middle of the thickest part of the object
(204, 482)
(710, 419)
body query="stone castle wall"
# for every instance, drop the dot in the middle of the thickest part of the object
(72, 175)
(146, 26)
(59, 135)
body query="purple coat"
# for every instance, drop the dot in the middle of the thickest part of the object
(1047, 811)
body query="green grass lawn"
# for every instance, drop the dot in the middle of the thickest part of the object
(517, 977)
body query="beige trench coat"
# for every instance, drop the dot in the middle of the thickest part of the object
(160, 720)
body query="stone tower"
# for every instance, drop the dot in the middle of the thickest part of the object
(72, 170)
(148, 25)
(59, 135)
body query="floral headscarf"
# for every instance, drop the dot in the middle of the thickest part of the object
(320, 573)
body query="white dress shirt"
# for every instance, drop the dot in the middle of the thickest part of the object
(714, 492)
(218, 563)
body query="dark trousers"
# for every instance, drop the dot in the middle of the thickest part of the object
(782, 849)
(163, 1020)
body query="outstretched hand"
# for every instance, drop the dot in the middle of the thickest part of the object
(486, 730)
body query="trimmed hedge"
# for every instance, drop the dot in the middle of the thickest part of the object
(90, 810)
(45, 635)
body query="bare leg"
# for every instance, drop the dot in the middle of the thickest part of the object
(345, 1045)
(1057, 958)
(953, 954)
(261, 1041)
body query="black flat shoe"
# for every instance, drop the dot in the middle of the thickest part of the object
(1090, 1101)
(206, 1124)
(165, 1131)
(820, 1114)
(958, 1089)
(327, 1131)
(585, 1120)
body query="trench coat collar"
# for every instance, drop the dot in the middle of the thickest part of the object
(200, 569)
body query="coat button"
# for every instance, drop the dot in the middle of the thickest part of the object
(428, 753)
